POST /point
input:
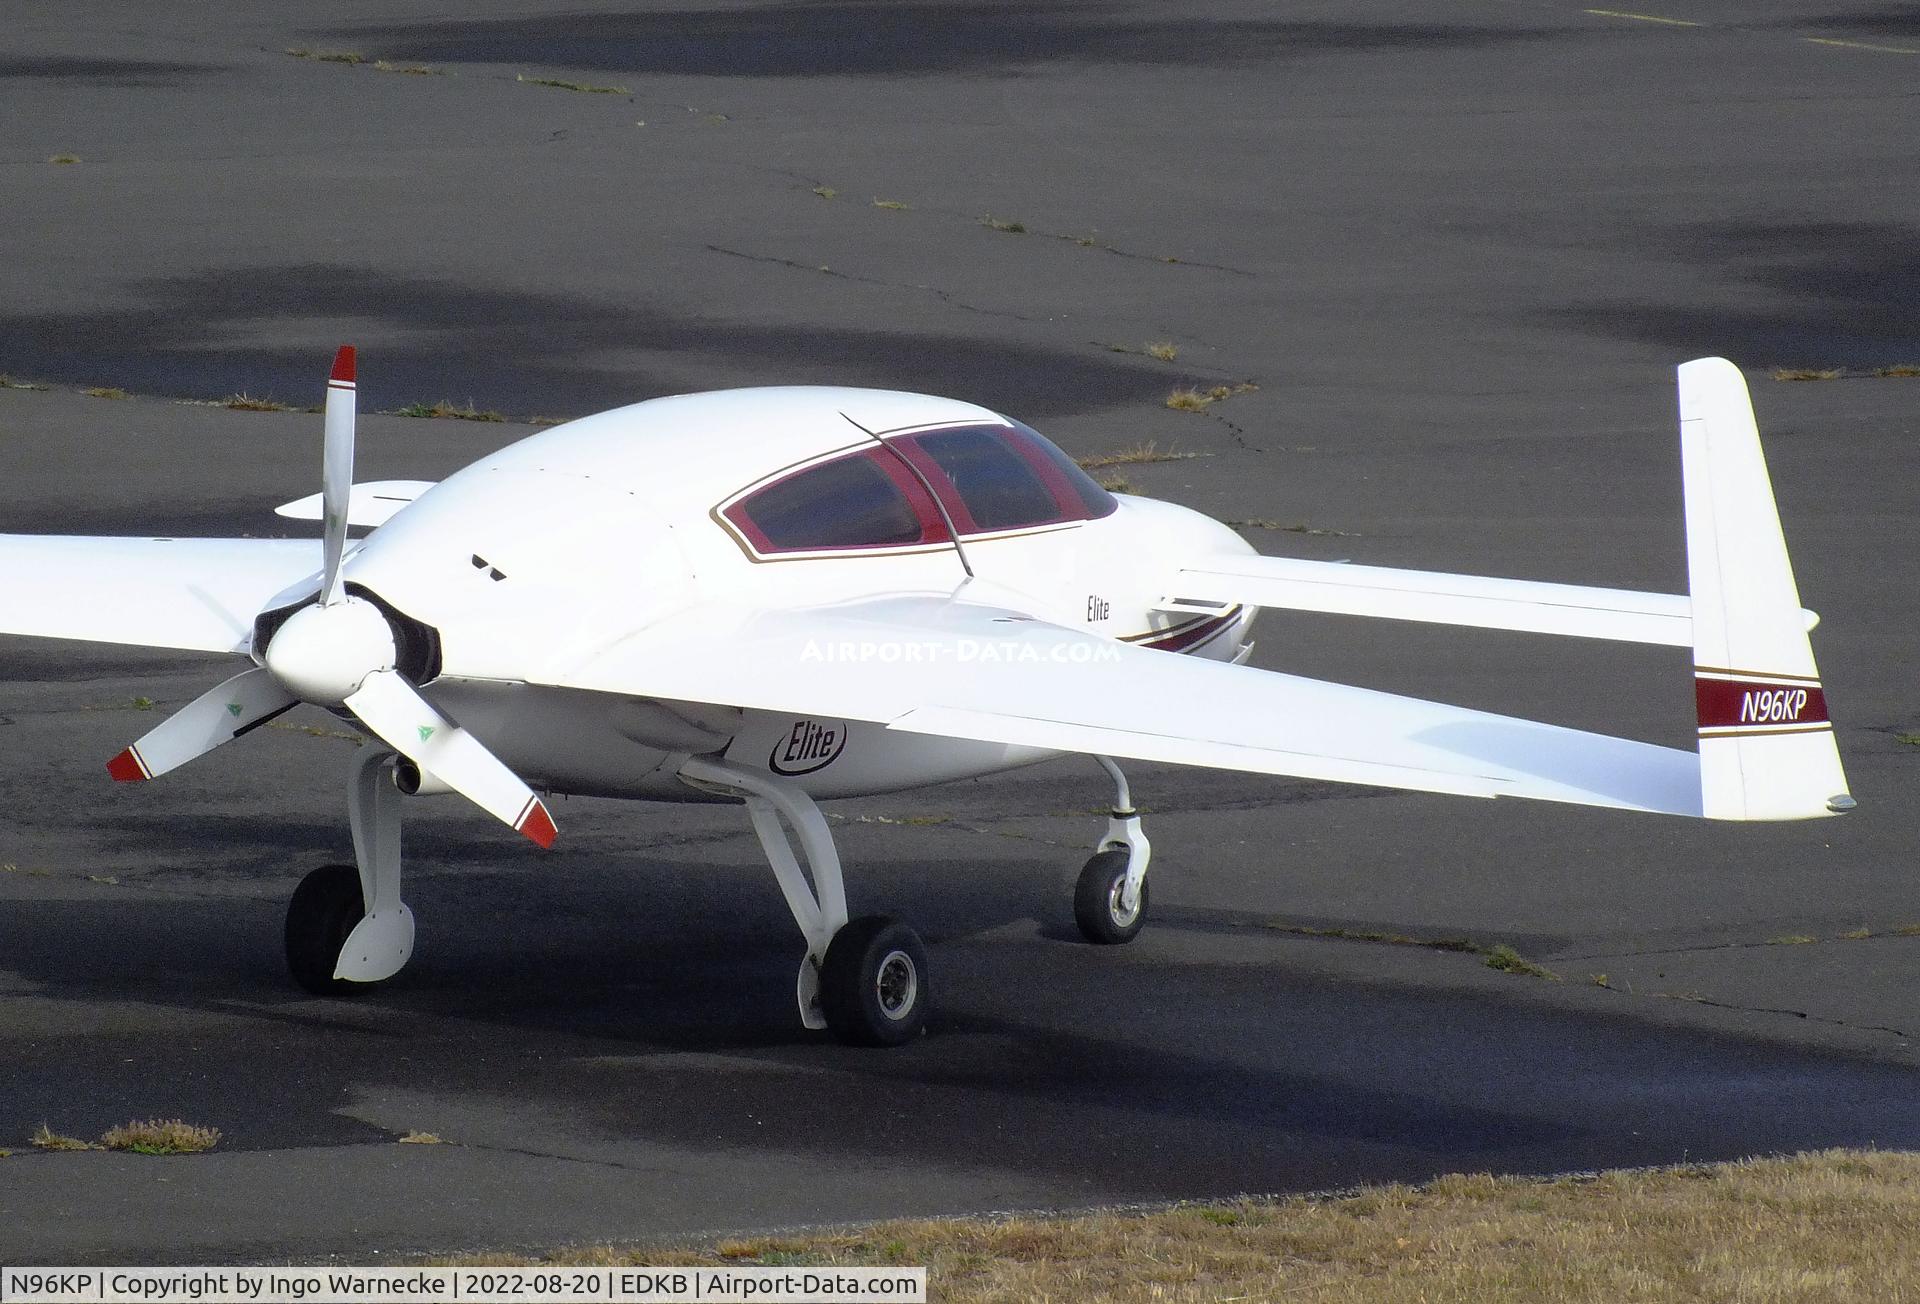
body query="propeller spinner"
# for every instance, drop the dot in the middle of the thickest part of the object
(340, 652)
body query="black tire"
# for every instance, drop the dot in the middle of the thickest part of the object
(873, 987)
(324, 909)
(1096, 900)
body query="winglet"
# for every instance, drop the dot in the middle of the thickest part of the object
(1766, 745)
(537, 826)
(126, 767)
(343, 366)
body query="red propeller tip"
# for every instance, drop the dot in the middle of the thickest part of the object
(343, 364)
(126, 767)
(537, 826)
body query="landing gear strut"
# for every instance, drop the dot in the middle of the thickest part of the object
(347, 927)
(1110, 899)
(864, 980)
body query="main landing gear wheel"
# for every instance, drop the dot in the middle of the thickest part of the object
(1098, 905)
(873, 986)
(323, 912)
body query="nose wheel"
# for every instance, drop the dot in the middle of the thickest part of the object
(1110, 899)
(1099, 900)
(321, 916)
(346, 925)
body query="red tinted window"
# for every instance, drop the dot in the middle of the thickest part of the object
(1067, 475)
(1000, 488)
(864, 500)
(1005, 478)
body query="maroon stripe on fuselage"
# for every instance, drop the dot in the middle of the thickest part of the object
(1731, 704)
(1189, 636)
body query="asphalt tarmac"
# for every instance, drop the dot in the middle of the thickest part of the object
(1459, 249)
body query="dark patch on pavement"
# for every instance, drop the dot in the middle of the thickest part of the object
(102, 71)
(521, 348)
(832, 38)
(1901, 21)
(1832, 294)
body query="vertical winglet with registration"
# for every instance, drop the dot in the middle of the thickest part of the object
(1767, 748)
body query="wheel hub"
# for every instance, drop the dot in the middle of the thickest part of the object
(896, 984)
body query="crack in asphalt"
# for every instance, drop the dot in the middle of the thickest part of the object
(1693, 998)
(528, 1152)
(1240, 436)
(1087, 242)
(1705, 947)
(821, 269)
(815, 184)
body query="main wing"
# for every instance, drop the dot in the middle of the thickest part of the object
(193, 594)
(960, 669)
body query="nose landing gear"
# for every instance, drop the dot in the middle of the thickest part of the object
(1110, 899)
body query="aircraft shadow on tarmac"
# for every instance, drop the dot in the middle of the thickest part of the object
(828, 38)
(462, 332)
(1804, 290)
(630, 999)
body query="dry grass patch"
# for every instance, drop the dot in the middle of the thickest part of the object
(64, 159)
(1115, 483)
(1150, 451)
(1792, 939)
(421, 1139)
(317, 731)
(1165, 350)
(1838, 1225)
(826, 192)
(1507, 960)
(105, 391)
(993, 223)
(1498, 956)
(584, 88)
(326, 56)
(1458, 944)
(8, 382)
(1806, 373)
(248, 403)
(892, 205)
(1190, 398)
(1291, 527)
(1900, 370)
(446, 410)
(161, 1136)
(922, 821)
(410, 69)
(45, 1138)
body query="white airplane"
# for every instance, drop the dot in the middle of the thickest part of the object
(778, 596)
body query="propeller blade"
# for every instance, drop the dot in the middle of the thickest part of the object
(336, 471)
(240, 705)
(394, 710)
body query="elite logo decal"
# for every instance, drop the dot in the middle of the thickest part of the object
(810, 745)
